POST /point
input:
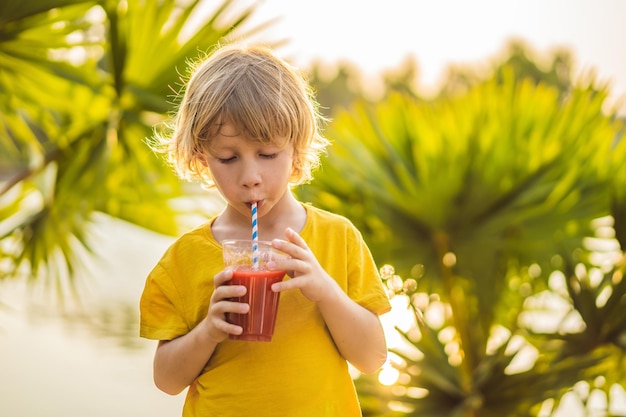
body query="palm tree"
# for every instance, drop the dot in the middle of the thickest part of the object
(484, 205)
(483, 202)
(82, 83)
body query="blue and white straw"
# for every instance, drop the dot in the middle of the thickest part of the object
(255, 237)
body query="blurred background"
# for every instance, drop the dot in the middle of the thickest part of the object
(449, 34)
(479, 146)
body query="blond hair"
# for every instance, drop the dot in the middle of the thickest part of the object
(257, 92)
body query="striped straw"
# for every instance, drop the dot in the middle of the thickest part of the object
(255, 237)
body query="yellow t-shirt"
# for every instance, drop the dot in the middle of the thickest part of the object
(300, 373)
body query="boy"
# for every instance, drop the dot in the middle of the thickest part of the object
(248, 125)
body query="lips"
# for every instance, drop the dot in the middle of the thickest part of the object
(259, 203)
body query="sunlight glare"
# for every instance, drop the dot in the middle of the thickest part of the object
(546, 408)
(617, 405)
(603, 297)
(416, 392)
(388, 375)
(499, 336)
(435, 315)
(525, 356)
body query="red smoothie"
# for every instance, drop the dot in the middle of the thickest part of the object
(258, 323)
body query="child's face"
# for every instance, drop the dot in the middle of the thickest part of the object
(246, 170)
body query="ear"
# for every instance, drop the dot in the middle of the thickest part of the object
(296, 169)
(202, 159)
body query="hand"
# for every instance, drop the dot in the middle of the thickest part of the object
(305, 270)
(216, 326)
(356, 331)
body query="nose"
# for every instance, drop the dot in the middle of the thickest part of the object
(250, 176)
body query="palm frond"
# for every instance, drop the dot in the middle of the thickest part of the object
(81, 124)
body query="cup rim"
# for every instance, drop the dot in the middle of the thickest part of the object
(260, 242)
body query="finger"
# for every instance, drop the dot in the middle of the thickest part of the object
(234, 307)
(295, 238)
(228, 291)
(287, 285)
(233, 329)
(227, 328)
(293, 266)
(222, 277)
(296, 250)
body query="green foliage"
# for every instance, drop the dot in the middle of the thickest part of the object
(618, 190)
(486, 198)
(501, 204)
(493, 170)
(527, 366)
(82, 83)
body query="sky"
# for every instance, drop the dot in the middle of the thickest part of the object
(379, 35)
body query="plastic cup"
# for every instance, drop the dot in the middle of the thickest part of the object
(258, 324)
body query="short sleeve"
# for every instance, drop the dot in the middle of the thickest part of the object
(160, 305)
(364, 282)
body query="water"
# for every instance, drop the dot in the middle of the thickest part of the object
(88, 361)
(47, 372)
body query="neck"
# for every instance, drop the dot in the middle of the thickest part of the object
(287, 213)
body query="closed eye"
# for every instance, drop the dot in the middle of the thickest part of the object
(268, 156)
(226, 160)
